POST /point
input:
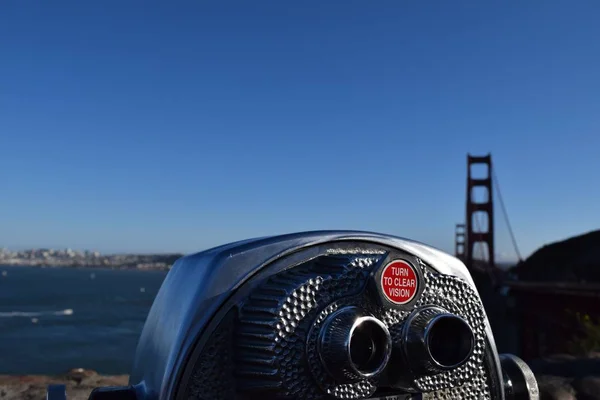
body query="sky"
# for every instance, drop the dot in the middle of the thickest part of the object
(160, 126)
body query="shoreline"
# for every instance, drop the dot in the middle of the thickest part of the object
(91, 267)
(559, 376)
(567, 378)
(79, 384)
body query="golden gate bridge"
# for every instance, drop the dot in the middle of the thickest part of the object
(542, 310)
(475, 238)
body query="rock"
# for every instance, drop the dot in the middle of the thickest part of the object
(563, 376)
(587, 388)
(79, 384)
(79, 375)
(555, 388)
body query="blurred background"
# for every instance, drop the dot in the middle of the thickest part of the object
(132, 133)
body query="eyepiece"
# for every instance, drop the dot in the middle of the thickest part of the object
(369, 346)
(449, 340)
(353, 345)
(435, 340)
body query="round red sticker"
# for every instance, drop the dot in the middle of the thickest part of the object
(399, 282)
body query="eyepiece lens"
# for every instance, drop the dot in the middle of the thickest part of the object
(362, 348)
(353, 346)
(450, 341)
(368, 347)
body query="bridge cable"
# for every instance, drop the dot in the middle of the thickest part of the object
(512, 235)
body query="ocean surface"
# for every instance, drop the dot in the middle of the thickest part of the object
(55, 319)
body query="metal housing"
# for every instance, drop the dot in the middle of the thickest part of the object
(199, 285)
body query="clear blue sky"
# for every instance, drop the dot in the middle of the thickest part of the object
(139, 126)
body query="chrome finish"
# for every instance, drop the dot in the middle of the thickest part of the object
(197, 287)
(348, 332)
(434, 340)
(519, 380)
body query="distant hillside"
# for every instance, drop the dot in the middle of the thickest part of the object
(573, 260)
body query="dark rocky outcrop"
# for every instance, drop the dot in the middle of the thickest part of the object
(565, 377)
(576, 259)
(555, 388)
(587, 388)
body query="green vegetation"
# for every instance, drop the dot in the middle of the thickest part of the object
(589, 339)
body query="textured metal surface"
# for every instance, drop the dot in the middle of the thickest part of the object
(213, 377)
(276, 342)
(271, 340)
(468, 381)
(197, 289)
(416, 346)
(360, 389)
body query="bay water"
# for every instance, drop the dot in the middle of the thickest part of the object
(56, 319)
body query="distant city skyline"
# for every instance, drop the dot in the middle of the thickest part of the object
(74, 258)
(154, 129)
(500, 257)
(76, 250)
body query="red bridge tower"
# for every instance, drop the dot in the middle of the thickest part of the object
(475, 230)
